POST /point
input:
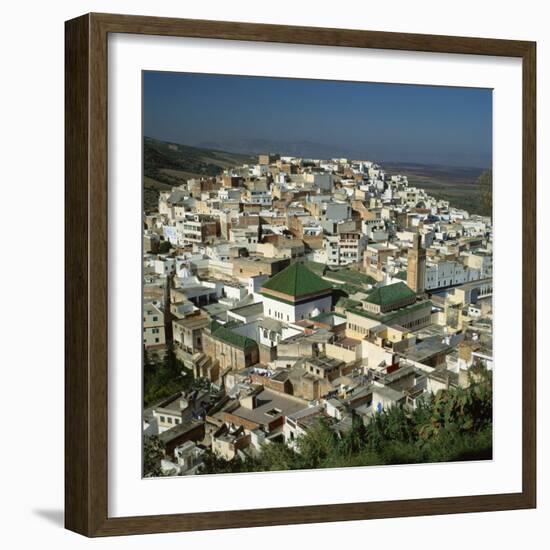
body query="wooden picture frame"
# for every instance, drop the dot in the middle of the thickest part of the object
(86, 282)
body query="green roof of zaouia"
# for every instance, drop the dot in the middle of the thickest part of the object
(351, 277)
(390, 294)
(224, 332)
(297, 280)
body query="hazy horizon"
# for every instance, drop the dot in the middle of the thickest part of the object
(390, 123)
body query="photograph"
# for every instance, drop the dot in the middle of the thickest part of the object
(317, 274)
(281, 250)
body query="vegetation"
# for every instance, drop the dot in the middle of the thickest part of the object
(170, 164)
(458, 185)
(485, 182)
(164, 377)
(453, 425)
(164, 247)
(153, 452)
(201, 384)
(159, 156)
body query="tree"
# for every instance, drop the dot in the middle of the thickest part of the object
(277, 456)
(461, 410)
(455, 424)
(164, 378)
(317, 445)
(354, 440)
(485, 183)
(153, 453)
(164, 247)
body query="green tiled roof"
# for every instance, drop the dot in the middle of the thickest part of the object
(317, 267)
(348, 289)
(227, 335)
(297, 280)
(351, 277)
(390, 294)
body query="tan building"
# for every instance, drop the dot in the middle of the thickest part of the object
(246, 267)
(231, 350)
(268, 159)
(188, 332)
(226, 443)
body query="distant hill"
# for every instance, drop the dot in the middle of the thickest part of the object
(166, 164)
(308, 149)
(457, 185)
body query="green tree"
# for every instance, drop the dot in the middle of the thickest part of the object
(455, 424)
(461, 410)
(164, 247)
(153, 453)
(317, 445)
(353, 441)
(277, 456)
(164, 378)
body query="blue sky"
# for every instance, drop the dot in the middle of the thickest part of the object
(381, 122)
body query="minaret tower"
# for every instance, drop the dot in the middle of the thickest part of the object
(416, 266)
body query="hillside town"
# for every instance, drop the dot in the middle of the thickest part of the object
(295, 290)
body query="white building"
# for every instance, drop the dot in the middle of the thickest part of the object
(345, 248)
(153, 326)
(295, 293)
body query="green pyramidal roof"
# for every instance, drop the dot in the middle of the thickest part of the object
(224, 332)
(297, 280)
(390, 294)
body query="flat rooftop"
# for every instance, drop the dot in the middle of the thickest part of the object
(250, 309)
(426, 349)
(194, 321)
(269, 406)
(325, 362)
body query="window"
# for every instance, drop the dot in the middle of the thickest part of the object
(155, 318)
(177, 420)
(163, 419)
(169, 420)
